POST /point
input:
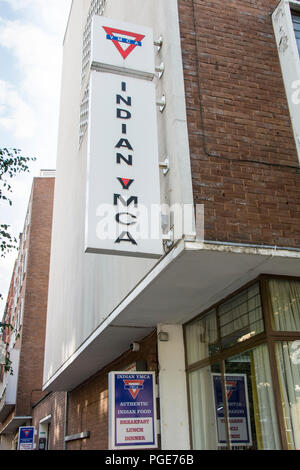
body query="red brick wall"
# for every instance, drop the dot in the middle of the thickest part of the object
(35, 297)
(54, 405)
(237, 110)
(88, 404)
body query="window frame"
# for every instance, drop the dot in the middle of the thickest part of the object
(269, 337)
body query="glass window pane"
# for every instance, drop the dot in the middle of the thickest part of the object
(202, 409)
(296, 23)
(288, 363)
(250, 401)
(241, 317)
(201, 338)
(285, 300)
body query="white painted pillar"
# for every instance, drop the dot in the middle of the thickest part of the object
(174, 420)
(6, 442)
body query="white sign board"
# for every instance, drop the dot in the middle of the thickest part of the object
(122, 48)
(123, 190)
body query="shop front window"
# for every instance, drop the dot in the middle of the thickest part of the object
(252, 417)
(288, 364)
(241, 317)
(203, 412)
(285, 299)
(243, 369)
(246, 418)
(202, 338)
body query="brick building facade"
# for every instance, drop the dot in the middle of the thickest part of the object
(230, 132)
(88, 403)
(243, 154)
(26, 311)
(217, 317)
(49, 420)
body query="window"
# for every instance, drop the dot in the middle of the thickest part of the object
(84, 114)
(243, 369)
(19, 317)
(288, 364)
(235, 320)
(202, 338)
(296, 24)
(285, 300)
(241, 317)
(96, 8)
(246, 419)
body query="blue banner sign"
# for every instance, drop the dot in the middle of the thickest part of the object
(132, 407)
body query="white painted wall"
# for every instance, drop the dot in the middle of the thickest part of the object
(6, 442)
(8, 386)
(174, 421)
(12, 380)
(85, 288)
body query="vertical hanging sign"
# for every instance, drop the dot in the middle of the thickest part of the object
(132, 410)
(123, 192)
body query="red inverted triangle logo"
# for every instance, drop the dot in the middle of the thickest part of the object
(133, 387)
(126, 183)
(230, 387)
(129, 40)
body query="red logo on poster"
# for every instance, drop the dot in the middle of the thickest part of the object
(230, 387)
(134, 387)
(124, 41)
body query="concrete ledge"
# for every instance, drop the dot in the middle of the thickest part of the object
(75, 437)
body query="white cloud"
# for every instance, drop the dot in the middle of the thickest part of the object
(15, 114)
(6, 265)
(29, 101)
(17, 4)
(38, 58)
(51, 13)
(34, 41)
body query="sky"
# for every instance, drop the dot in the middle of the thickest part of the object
(31, 38)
